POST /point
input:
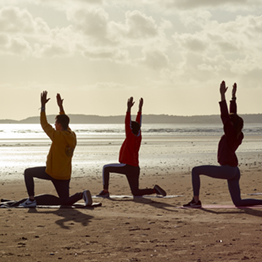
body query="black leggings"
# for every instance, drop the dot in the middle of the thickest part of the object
(61, 186)
(132, 174)
(231, 174)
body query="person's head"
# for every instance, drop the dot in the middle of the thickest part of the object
(62, 122)
(237, 122)
(135, 127)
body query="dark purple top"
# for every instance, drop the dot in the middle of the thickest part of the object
(229, 142)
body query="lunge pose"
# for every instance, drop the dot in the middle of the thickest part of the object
(58, 165)
(128, 157)
(227, 158)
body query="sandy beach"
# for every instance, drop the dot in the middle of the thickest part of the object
(141, 229)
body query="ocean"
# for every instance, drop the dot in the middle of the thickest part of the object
(26, 145)
(34, 131)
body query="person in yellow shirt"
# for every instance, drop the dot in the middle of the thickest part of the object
(59, 159)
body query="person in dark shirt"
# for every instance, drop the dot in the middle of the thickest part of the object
(226, 156)
(129, 157)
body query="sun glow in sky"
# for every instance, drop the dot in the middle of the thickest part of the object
(173, 53)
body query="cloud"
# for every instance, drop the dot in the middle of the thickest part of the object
(14, 20)
(139, 29)
(107, 54)
(90, 32)
(14, 45)
(23, 34)
(231, 48)
(102, 38)
(97, 37)
(196, 19)
(19, 21)
(52, 50)
(138, 38)
(190, 42)
(92, 22)
(19, 46)
(95, 2)
(140, 26)
(57, 43)
(154, 59)
(96, 24)
(229, 5)
(56, 4)
(188, 4)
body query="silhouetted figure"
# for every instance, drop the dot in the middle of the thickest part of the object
(229, 142)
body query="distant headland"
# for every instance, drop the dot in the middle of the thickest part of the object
(148, 119)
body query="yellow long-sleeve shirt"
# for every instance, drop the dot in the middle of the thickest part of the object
(59, 158)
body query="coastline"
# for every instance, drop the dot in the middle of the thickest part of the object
(138, 229)
(173, 153)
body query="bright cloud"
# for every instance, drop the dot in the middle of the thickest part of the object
(172, 45)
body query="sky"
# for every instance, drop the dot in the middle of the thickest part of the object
(98, 53)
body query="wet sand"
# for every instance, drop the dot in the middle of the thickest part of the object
(153, 229)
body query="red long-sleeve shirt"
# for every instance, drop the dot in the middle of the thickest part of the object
(229, 142)
(129, 150)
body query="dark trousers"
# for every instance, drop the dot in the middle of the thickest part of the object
(61, 186)
(231, 174)
(132, 174)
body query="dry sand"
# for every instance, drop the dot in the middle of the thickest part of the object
(141, 229)
(135, 230)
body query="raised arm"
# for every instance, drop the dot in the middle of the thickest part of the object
(234, 90)
(49, 130)
(223, 90)
(60, 103)
(44, 100)
(141, 102)
(128, 128)
(139, 114)
(223, 104)
(130, 103)
(233, 104)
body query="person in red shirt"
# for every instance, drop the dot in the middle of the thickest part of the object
(228, 144)
(129, 158)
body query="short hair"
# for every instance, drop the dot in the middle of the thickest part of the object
(63, 120)
(135, 127)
